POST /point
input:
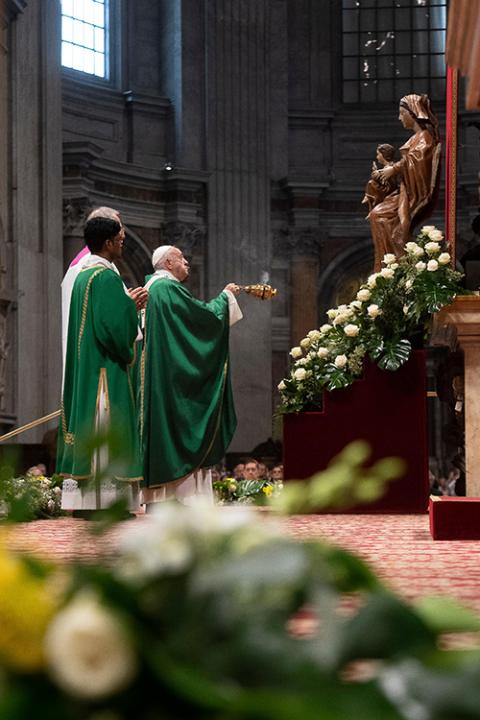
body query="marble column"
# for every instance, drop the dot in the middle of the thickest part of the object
(36, 225)
(464, 314)
(241, 85)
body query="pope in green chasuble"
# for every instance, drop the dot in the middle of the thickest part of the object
(98, 397)
(187, 412)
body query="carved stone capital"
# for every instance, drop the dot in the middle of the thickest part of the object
(185, 236)
(75, 210)
(299, 241)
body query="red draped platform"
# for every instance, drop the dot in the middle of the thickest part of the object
(389, 411)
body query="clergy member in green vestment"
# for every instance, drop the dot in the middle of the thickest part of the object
(98, 397)
(187, 414)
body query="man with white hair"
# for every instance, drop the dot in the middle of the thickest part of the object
(187, 414)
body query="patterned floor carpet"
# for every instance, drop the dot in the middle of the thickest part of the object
(399, 547)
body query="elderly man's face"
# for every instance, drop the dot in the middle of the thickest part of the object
(177, 265)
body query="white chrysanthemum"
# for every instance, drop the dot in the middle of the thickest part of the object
(388, 259)
(372, 280)
(373, 311)
(305, 343)
(351, 330)
(325, 328)
(314, 335)
(88, 651)
(364, 295)
(432, 248)
(340, 361)
(322, 352)
(281, 386)
(420, 266)
(444, 258)
(296, 352)
(300, 374)
(432, 265)
(387, 273)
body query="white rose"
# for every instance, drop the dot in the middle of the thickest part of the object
(300, 374)
(322, 352)
(373, 311)
(281, 386)
(301, 362)
(432, 265)
(342, 308)
(332, 313)
(420, 266)
(314, 335)
(356, 304)
(342, 318)
(426, 228)
(351, 330)
(413, 249)
(394, 266)
(364, 294)
(296, 352)
(389, 258)
(372, 280)
(432, 248)
(435, 235)
(405, 309)
(305, 343)
(340, 361)
(444, 258)
(325, 328)
(409, 284)
(387, 273)
(88, 651)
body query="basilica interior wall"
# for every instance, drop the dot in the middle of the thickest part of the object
(244, 102)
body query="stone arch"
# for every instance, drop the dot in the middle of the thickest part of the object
(342, 277)
(136, 259)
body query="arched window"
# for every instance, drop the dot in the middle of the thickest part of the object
(85, 36)
(392, 48)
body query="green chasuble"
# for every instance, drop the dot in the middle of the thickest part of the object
(98, 392)
(188, 417)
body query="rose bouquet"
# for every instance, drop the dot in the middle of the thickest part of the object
(389, 308)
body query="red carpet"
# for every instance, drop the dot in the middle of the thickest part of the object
(399, 547)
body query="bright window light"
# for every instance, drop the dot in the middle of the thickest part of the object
(85, 36)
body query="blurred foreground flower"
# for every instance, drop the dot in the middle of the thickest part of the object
(88, 650)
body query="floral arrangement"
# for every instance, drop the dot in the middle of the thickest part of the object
(29, 496)
(378, 324)
(213, 613)
(247, 492)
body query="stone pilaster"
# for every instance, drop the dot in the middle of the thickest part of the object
(239, 38)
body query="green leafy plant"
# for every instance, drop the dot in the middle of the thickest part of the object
(391, 307)
(248, 492)
(217, 614)
(29, 497)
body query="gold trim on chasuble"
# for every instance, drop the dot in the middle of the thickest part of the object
(85, 306)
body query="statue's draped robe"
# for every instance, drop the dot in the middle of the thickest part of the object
(391, 221)
(98, 394)
(187, 412)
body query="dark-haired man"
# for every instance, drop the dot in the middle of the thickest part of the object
(97, 397)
